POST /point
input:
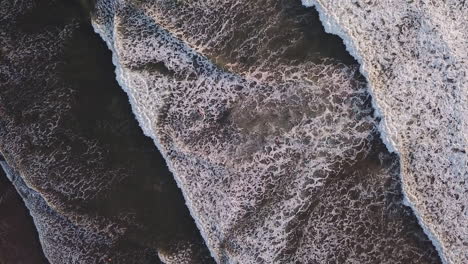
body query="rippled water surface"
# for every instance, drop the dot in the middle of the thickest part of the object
(263, 118)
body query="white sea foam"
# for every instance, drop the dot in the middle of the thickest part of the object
(450, 236)
(267, 150)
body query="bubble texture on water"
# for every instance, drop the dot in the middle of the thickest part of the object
(414, 55)
(270, 136)
(97, 188)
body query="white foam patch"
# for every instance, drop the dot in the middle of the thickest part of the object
(255, 141)
(346, 21)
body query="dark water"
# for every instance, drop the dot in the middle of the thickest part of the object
(19, 242)
(103, 113)
(106, 172)
(70, 78)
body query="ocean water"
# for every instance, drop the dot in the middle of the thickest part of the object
(268, 138)
(97, 188)
(268, 129)
(19, 241)
(416, 70)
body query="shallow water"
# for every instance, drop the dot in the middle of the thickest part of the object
(413, 55)
(19, 241)
(262, 129)
(68, 131)
(263, 118)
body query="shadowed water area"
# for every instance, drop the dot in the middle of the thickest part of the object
(77, 143)
(67, 129)
(19, 242)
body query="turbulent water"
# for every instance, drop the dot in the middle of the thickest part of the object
(97, 188)
(274, 143)
(19, 242)
(416, 67)
(280, 147)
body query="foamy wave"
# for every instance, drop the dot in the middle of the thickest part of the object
(415, 67)
(273, 146)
